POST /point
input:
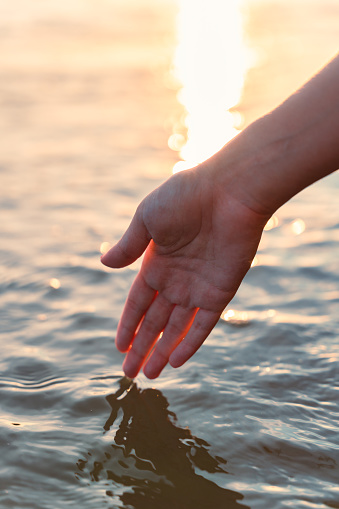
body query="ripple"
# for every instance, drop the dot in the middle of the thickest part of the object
(38, 385)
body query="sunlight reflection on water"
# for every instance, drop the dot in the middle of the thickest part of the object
(210, 62)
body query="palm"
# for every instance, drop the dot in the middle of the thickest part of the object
(191, 269)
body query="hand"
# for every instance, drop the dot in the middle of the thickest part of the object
(199, 242)
(200, 229)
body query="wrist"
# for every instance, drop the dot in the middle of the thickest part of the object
(285, 151)
(277, 156)
(250, 167)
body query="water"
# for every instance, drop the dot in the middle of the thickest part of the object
(252, 419)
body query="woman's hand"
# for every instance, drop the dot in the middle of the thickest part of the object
(199, 242)
(200, 229)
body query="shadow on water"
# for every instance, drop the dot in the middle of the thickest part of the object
(152, 462)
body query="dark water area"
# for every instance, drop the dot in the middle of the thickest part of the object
(252, 420)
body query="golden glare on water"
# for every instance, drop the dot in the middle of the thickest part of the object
(273, 222)
(236, 317)
(104, 247)
(239, 318)
(298, 226)
(54, 283)
(210, 63)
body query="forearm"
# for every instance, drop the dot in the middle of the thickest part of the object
(288, 149)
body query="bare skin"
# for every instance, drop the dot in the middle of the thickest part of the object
(200, 230)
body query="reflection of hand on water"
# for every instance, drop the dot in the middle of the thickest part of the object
(151, 462)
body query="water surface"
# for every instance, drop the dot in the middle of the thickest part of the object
(87, 108)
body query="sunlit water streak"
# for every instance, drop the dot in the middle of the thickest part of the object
(210, 63)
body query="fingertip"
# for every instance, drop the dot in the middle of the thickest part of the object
(121, 349)
(150, 372)
(115, 258)
(122, 346)
(131, 246)
(130, 370)
(105, 258)
(150, 375)
(103, 261)
(181, 355)
(175, 361)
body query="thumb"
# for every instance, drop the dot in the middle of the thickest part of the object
(131, 245)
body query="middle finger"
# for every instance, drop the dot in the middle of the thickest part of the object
(152, 325)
